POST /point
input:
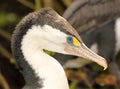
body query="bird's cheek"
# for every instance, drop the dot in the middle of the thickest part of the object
(69, 49)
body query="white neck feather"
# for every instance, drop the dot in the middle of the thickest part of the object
(45, 66)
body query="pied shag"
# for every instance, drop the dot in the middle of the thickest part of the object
(45, 29)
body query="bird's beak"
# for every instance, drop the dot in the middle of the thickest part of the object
(85, 52)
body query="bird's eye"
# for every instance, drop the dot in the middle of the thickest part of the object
(72, 40)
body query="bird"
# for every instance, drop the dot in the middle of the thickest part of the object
(46, 30)
(97, 21)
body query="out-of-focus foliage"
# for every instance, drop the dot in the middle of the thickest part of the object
(7, 18)
(106, 79)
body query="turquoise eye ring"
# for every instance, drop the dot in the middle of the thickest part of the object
(70, 39)
(73, 41)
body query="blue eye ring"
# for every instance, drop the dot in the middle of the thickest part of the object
(70, 39)
(73, 41)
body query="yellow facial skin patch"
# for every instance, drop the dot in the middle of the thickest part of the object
(76, 42)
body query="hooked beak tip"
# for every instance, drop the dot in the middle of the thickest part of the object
(105, 65)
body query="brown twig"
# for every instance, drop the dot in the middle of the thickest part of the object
(27, 3)
(3, 82)
(5, 34)
(4, 52)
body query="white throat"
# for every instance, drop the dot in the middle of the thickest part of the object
(45, 66)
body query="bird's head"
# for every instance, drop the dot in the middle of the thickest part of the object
(48, 30)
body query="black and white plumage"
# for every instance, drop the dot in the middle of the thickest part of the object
(45, 29)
